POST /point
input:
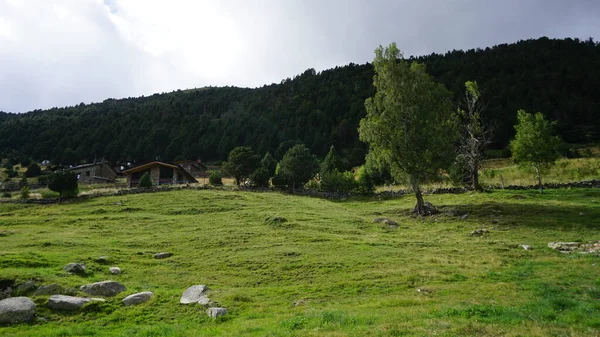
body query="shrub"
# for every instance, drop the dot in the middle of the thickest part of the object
(260, 177)
(335, 181)
(11, 173)
(215, 178)
(145, 181)
(44, 179)
(364, 181)
(33, 170)
(65, 183)
(25, 192)
(6, 195)
(23, 182)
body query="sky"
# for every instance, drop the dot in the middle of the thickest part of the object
(56, 53)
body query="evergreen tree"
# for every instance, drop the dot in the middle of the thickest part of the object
(64, 183)
(145, 181)
(298, 166)
(332, 162)
(241, 162)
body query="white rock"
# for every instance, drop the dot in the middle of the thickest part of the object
(215, 312)
(104, 288)
(138, 298)
(115, 270)
(194, 294)
(16, 310)
(62, 302)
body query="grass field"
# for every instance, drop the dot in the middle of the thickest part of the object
(351, 276)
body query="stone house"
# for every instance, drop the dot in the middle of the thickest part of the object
(195, 168)
(160, 174)
(95, 173)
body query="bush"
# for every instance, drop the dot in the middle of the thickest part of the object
(335, 181)
(23, 182)
(11, 173)
(6, 195)
(25, 192)
(44, 180)
(215, 178)
(145, 181)
(279, 180)
(364, 181)
(33, 170)
(260, 177)
(65, 183)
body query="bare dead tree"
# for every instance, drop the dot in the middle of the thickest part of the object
(476, 134)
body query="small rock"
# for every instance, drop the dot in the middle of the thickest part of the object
(104, 288)
(215, 312)
(464, 216)
(428, 209)
(16, 310)
(564, 246)
(526, 247)
(75, 268)
(424, 291)
(26, 287)
(52, 289)
(162, 255)
(115, 270)
(71, 303)
(195, 294)
(103, 259)
(479, 232)
(138, 298)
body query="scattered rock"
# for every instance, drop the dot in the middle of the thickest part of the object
(104, 288)
(300, 302)
(103, 259)
(215, 312)
(390, 223)
(16, 310)
(138, 298)
(71, 303)
(26, 287)
(195, 294)
(162, 255)
(479, 232)
(526, 247)
(75, 268)
(464, 216)
(52, 289)
(424, 291)
(428, 209)
(564, 246)
(115, 270)
(590, 248)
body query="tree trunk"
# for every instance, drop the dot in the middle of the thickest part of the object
(475, 180)
(539, 178)
(415, 186)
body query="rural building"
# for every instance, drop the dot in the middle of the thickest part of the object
(95, 173)
(160, 174)
(195, 168)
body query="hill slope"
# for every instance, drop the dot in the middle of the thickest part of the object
(560, 78)
(347, 275)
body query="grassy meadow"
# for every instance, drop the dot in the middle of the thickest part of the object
(326, 271)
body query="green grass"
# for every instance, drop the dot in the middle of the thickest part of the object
(262, 252)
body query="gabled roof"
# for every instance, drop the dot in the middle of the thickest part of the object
(91, 165)
(148, 165)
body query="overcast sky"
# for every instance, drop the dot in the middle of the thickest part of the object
(63, 52)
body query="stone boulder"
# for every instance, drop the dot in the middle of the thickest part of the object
(195, 294)
(428, 209)
(51, 289)
(75, 268)
(26, 287)
(104, 288)
(138, 298)
(70, 303)
(115, 270)
(479, 232)
(16, 310)
(162, 255)
(215, 312)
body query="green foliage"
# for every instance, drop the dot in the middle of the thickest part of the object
(335, 181)
(269, 163)
(410, 125)
(215, 178)
(49, 195)
(260, 177)
(25, 191)
(534, 144)
(23, 182)
(33, 170)
(241, 162)
(298, 166)
(11, 173)
(44, 179)
(332, 162)
(364, 181)
(65, 183)
(145, 181)
(6, 195)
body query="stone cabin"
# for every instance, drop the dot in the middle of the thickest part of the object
(160, 174)
(195, 168)
(95, 173)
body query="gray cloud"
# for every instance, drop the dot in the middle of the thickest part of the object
(57, 53)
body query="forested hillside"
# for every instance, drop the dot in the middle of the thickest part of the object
(560, 78)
